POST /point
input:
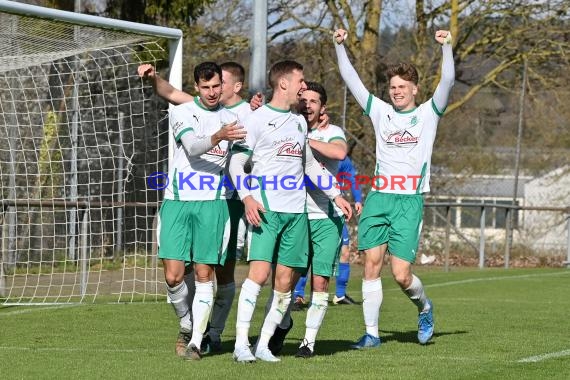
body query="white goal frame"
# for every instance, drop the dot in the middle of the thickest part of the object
(83, 289)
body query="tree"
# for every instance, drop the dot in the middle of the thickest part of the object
(172, 13)
(490, 40)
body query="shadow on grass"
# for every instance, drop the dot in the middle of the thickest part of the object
(330, 347)
(290, 347)
(412, 336)
(322, 347)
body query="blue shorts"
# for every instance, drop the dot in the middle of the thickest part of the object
(345, 235)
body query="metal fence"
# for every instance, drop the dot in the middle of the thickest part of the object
(512, 217)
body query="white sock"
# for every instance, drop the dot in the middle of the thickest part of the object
(286, 322)
(315, 315)
(201, 309)
(246, 306)
(177, 295)
(278, 308)
(371, 302)
(222, 305)
(417, 294)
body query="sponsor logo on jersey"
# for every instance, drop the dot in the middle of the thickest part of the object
(217, 151)
(290, 150)
(402, 138)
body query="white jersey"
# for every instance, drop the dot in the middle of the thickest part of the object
(241, 109)
(404, 140)
(276, 140)
(404, 144)
(201, 177)
(319, 206)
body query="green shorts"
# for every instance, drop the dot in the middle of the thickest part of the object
(325, 240)
(395, 219)
(196, 231)
(236, 209)
(281, 238)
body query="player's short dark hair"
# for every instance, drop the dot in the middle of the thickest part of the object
(316, 87)
(234, 68)
(206, 71)
(406, 71)
(280, 69)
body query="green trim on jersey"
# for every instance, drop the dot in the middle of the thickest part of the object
(277, 109)
(235, 105)
(175, 185)
(331, 211)
(178, 136)
(437, 112)
(336, 138)
(377, 174)
(220, 187)
(199, 104)
(262, 192)
(368, 105)
(421, 181)
(405, 112)
(241, 149)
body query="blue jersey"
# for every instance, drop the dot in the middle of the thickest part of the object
(347, 172)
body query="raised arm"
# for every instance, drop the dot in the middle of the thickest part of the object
(162, 87)
(443, 89)
(347, 71)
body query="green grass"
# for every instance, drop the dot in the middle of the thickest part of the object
(486, 322)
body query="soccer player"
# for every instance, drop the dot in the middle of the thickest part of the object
(194, 218)
(233, 76)
(347, 174)
(275, 204)
(392, 215)
(343, 275)
(328, 144)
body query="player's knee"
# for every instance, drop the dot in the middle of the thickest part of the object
(204, 273)
(403, 279)
(173, 279)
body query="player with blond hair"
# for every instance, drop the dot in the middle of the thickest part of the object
(392, 216)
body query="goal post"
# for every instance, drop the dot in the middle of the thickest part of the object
(81, 133)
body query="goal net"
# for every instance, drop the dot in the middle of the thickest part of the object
(80, 134)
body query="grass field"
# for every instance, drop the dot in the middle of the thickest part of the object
(490, 324)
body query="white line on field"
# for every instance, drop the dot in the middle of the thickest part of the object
(71, 349)
(34, 309)
(539, 358)
(483, 279)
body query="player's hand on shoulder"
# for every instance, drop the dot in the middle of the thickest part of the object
(256, 101)
(324, 120)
